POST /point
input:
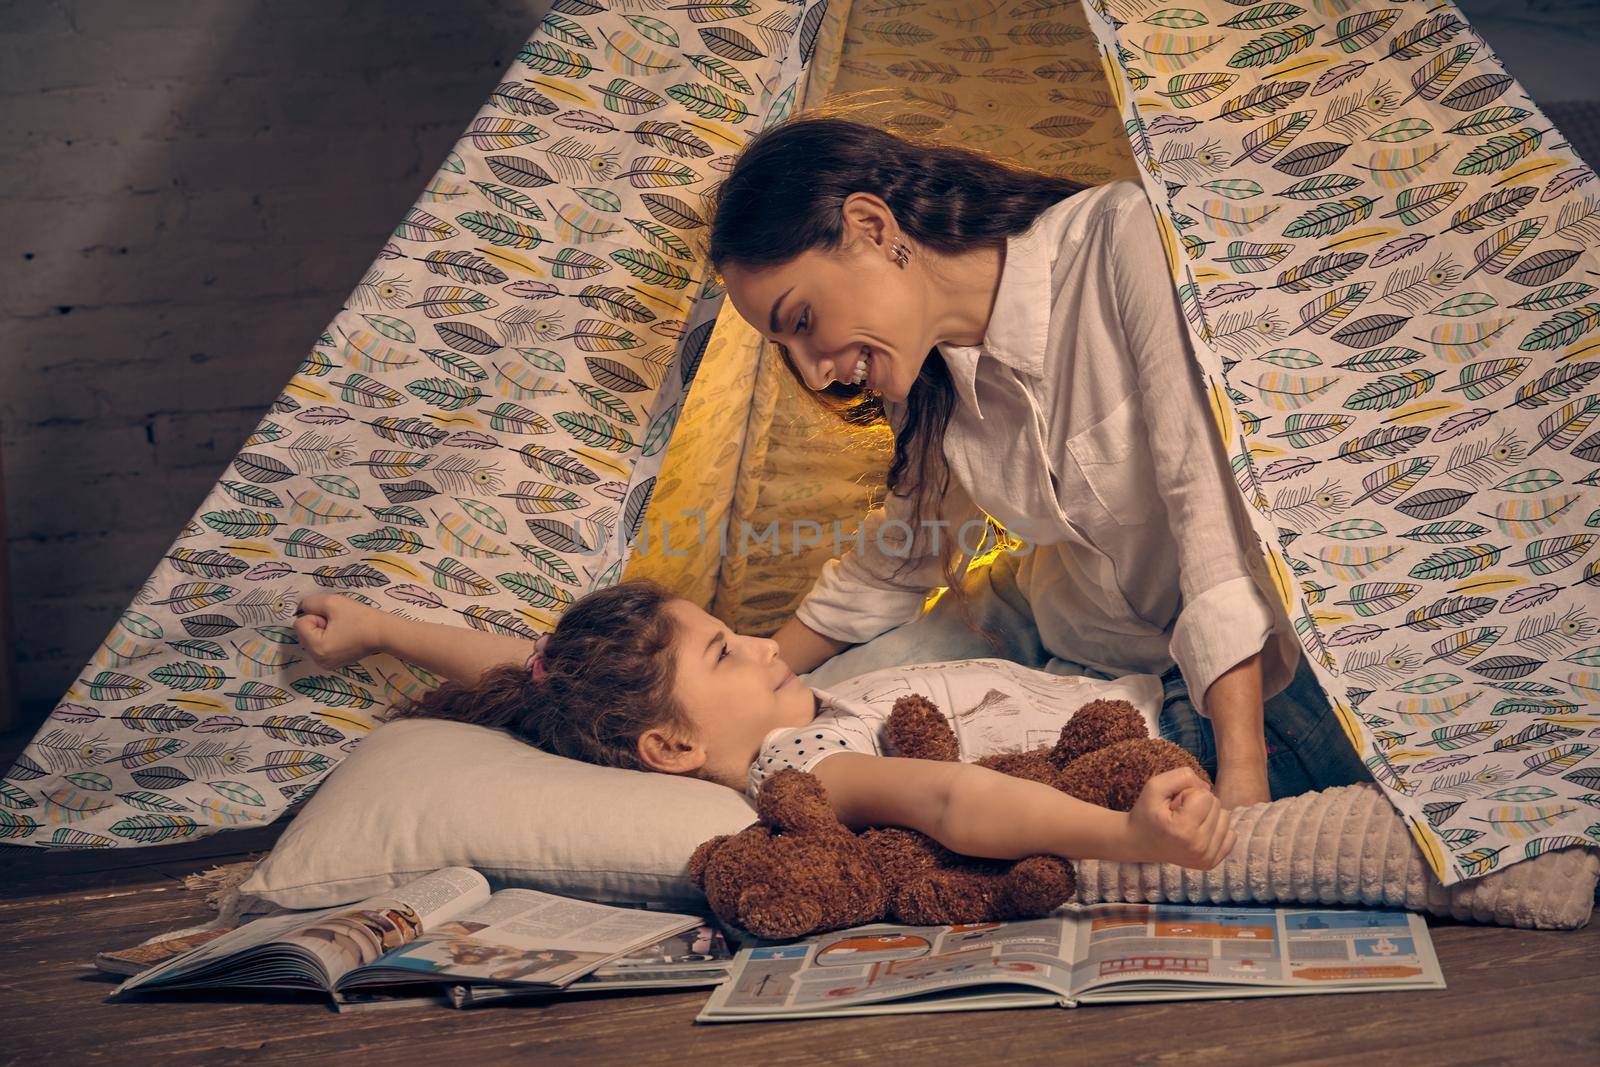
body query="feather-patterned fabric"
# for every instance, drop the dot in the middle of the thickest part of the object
(1387, 257)
(1386, 253)
(473, 440)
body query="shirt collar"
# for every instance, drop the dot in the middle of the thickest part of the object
(1019, 323)
(828, 703)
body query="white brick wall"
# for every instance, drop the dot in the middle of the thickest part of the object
(188, 190)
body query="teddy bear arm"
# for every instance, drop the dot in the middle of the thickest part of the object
(1037, 885)
(702, 856)
(795, 801)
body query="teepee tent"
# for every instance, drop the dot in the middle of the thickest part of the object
(1386, 254)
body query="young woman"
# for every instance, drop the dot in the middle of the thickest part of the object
(1022, 337)
(635, 677)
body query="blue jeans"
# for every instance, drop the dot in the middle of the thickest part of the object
(1306, 747)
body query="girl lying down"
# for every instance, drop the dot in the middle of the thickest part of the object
(635, 677)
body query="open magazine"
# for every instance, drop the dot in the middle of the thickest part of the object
(693, 958)
(696, 957)
(1103, 953)
(158, 949)
(445, 927)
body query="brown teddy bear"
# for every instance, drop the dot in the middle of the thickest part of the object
(799, 870)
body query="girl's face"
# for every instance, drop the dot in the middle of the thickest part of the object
(734, 689)
(852, 315)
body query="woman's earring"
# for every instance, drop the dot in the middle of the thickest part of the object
(901, 253)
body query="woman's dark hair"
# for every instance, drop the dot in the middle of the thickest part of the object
(610, 674)
(785, 196)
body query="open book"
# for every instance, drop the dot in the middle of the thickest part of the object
(1104, 953)
(696, 957)
(445, 927)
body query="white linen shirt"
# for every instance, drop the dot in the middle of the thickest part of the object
(992, 705)
(1082, 428)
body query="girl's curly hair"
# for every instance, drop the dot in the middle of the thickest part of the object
(610, 673)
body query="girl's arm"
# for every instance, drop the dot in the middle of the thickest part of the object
(335, 630)
(979, 812)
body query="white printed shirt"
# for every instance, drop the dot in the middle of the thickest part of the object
(1081, 426)
(993, 705)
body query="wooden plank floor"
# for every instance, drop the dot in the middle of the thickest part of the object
(1514, 996)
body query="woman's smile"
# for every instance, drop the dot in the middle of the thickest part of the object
(861, 372)
(872, 369)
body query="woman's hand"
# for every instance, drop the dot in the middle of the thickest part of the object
(1242, 782)
(1236, 713)
(335, 629)
(1177, 819)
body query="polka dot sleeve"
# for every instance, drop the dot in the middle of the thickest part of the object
(801, 748)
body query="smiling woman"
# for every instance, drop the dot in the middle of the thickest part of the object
(1021, 336)
(857, 252)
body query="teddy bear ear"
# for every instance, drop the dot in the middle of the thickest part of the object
(795, 801)
(916, 728)
(1098, 724)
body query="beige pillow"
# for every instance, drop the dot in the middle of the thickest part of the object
(419, 794)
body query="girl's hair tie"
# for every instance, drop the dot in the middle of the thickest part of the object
(536, 665)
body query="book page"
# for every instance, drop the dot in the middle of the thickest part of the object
(314, 948)
(698, 956)
(159, 949)
(700, 947)
(1369, 948)
(1132, 941)
(883, 962)
(210, 956)
(525, 936)
(353, 937)
(444, 894)
(1176, 945)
